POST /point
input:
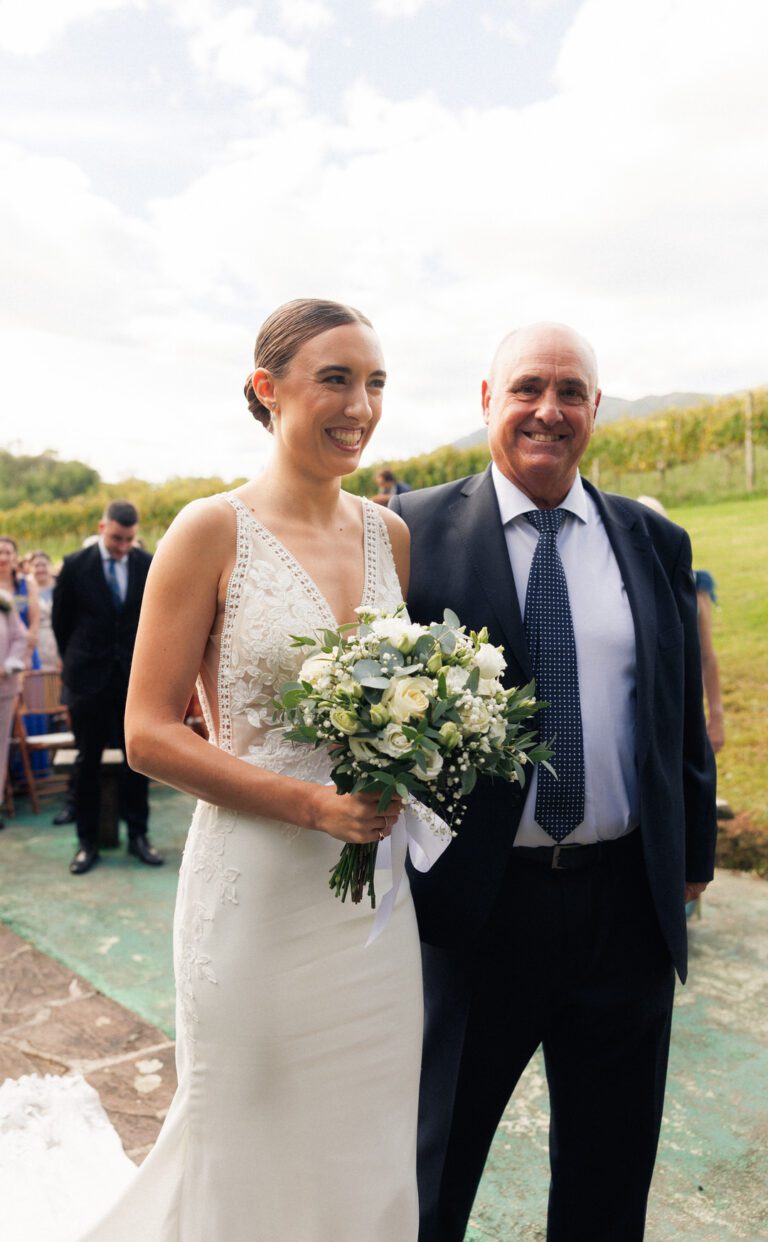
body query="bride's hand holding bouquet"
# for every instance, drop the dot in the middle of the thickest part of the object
(409, 714)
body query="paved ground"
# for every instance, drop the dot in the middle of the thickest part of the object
(53, 1022)
(99, 999)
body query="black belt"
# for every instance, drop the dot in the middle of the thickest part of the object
(574, 857)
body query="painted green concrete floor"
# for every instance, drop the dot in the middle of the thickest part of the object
(113, 926)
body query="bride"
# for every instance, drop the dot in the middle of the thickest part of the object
(298, 1048)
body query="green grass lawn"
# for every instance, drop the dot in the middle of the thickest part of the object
(730, 539)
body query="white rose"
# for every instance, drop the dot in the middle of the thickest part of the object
(456, 679)
(497, 731)
(362, 749)
(490, 661)
(316, 668)
(408, 697)
(488, 688)
(343, 720)
(391, 629)
(434, 763)
(402, 635)
(349, 686)
(475, 717)
(392, 741)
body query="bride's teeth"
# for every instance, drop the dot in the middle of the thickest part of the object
(347, 438)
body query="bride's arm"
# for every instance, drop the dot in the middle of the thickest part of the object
(186, 582)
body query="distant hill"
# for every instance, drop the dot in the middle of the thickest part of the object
(612, 408)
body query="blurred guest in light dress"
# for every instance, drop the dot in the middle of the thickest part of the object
(13, 650)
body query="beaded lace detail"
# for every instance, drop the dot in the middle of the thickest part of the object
(269, 598)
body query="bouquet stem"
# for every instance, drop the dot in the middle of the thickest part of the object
(354, 873)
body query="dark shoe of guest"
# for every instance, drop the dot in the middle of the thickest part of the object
(140, 848)
(65, 816)
(83, 861)
(723, 809)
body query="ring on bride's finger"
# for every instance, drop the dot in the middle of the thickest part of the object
(381, 836)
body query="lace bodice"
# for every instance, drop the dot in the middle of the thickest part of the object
(270, 598)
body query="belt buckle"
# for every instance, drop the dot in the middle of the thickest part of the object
(558, 850)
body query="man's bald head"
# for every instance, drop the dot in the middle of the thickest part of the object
(546, 332)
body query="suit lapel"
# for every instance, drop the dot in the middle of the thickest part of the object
(98, 577)
(476, 514)
(132, 592)
(634, 554)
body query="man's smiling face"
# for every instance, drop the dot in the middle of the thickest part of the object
(540, 405)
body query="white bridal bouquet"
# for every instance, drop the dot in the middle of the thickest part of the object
(414, 710)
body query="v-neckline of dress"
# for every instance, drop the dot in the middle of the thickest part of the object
(303, 576)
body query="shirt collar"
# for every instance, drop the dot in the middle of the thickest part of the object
(513, 503)
(107, 556)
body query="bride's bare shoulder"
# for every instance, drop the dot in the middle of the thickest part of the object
(203, 529)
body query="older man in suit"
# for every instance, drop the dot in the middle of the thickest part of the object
(96, 607)
(557, 917)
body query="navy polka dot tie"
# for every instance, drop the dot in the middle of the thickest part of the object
(549, 631)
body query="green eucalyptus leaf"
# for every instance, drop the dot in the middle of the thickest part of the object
(468, 781)
(397, 658)
(366, 668)
(386, 797)
(424, 647)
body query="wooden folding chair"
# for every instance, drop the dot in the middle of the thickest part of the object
(41, 696)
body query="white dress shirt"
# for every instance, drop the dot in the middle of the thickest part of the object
(604, 632)
(121, 568)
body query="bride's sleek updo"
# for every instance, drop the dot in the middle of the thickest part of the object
(282, 335)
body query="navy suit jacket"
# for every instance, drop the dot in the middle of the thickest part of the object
(460, 560)
(94, 637)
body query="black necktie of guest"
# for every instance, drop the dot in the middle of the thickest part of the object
(552, 646)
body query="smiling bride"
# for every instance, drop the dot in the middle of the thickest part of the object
(298, 1048)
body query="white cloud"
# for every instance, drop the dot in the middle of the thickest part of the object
(231, 48)
(73, 262)
(630, 203)
(130, 409)
(400, 8)
(603, 205)
(29, 27)
(301, 17)
(507, 27)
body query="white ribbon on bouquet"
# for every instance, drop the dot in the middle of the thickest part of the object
(417, 831)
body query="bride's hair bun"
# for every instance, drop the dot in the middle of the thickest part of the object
(282, 335)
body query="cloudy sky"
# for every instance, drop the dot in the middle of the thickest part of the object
(174, 169)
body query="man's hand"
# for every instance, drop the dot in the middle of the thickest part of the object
(692, 891)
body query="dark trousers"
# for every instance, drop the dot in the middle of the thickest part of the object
(97, 723)
(573, 961)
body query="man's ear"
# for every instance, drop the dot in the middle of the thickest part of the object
(598, 395)
(486, 398)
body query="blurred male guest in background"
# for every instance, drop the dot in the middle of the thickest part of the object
(389, 485)
(96, 607)
(558, 919)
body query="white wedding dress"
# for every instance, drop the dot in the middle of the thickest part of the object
(298, 1048)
